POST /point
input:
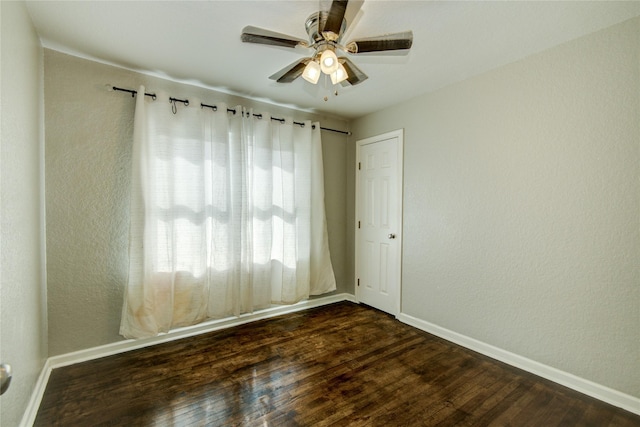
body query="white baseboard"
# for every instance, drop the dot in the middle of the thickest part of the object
(600, 392)
(189, 331)
(30, 413)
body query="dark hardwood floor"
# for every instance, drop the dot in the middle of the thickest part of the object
(338, 365)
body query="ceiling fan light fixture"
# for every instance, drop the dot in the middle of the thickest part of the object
(329, 61)
(311, 72)
(339, 75)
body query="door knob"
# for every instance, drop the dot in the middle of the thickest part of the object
(5, 377)
(392, 236)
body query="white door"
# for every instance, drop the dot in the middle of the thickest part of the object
(379, 221)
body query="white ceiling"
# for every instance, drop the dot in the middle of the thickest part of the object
(198, 42)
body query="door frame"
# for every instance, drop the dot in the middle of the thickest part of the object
(399, 134)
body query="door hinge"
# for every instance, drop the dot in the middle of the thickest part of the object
(359, 165)
(358, 282)
(358, 224)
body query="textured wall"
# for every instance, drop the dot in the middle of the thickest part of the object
(22, 298)
(521, 209)
(88, 149)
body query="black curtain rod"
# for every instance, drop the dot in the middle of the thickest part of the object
(215, 108)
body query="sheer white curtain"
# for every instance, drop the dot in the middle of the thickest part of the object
(227, 215)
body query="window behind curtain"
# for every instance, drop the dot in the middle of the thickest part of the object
(227, 216)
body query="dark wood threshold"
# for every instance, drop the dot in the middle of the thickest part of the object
(339, 365)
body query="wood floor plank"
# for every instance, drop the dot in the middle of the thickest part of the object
(338, 365)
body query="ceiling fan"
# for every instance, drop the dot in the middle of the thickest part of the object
(325, 30)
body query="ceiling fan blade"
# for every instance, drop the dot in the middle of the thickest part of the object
(387, 42)
(291, 72)
(261, 36)
(351, 16)
(354, 74)
(331, 30)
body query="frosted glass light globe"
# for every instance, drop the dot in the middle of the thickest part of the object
(339, 75)
(329, 62)
(311, 72)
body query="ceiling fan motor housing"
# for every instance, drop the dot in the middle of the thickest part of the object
(315, 24)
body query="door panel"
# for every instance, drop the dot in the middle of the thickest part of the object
(379, 221)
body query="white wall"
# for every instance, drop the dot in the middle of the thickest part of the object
(522, 206)
(22, 297)
(88, 168)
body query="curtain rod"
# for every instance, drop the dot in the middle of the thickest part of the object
(215, 108)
